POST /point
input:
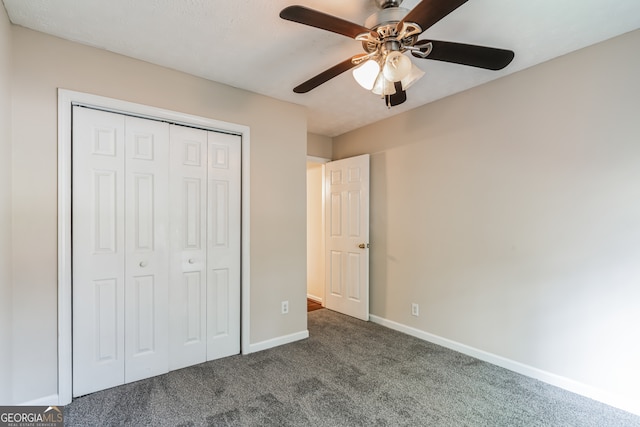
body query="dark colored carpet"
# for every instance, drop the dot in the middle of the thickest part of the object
(348, 373)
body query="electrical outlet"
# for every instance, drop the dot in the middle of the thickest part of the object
(285, 307)
(415, 309)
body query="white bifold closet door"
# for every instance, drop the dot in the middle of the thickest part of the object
(205, 291)
(156, 248)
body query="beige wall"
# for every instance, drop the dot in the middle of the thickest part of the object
(319, 146)
(511, 214)
(5, 207)
(278, 212)
(315, 232)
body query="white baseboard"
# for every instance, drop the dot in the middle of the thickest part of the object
(314, 298)
(42, 401)
(621, 402)
(275, 342)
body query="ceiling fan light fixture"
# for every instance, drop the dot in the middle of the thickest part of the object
(396, 66)
(414, 75)
(386, 36)
(367, 73)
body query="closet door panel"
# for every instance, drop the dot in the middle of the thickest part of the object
(98, 252)
(147, 248)
(188, 163)
(223, 243)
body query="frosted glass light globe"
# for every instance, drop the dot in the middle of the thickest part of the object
(383, 86)
(415, 75)
(367, 73)
(396, 66)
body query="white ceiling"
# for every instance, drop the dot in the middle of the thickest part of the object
(244, 43)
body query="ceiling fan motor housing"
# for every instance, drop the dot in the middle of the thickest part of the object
(391, 15)
(384, 22)
(383, 4)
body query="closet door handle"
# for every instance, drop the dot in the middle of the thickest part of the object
(191, 260)
(143, 264)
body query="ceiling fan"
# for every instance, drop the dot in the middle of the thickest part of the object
(386, 36)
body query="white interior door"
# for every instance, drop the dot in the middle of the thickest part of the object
(347, 236)
(188, 289)
(153, 204)
(146, 266)
(120, 241)
(205, 291)
(223, 248)
(98, 250)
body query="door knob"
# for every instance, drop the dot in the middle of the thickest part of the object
(363, 245)
(191, 260)
(143, 263)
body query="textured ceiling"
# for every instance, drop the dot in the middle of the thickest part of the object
(244, 43)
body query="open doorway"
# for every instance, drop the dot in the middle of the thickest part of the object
(338, 261)
(315, 233)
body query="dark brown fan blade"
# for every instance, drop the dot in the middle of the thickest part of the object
(324, 76)
(397, 98)
(313, 18)
(466, 54)
(428, 12)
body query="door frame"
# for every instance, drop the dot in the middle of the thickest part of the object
(68, 98)
(320, 161)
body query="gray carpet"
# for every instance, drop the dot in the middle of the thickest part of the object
(348, 373)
